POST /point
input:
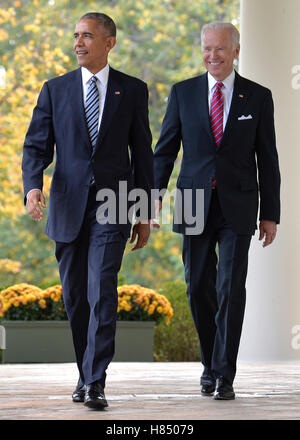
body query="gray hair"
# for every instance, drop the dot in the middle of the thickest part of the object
(222, 25)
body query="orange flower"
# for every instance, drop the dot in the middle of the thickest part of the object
(42, 303)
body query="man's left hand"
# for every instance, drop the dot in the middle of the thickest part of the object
(142, 231)
(267, 230)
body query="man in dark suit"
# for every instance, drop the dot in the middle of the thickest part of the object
(92, 115)
(226, 127)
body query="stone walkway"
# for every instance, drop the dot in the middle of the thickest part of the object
(150, 391)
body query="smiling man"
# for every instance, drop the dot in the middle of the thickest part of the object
(226, 127)
(220, 48)
(92, 45)
(92, 115)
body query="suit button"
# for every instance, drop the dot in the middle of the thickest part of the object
(93, 160)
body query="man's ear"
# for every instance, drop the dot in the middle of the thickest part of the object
(237, 51)
(110, 43)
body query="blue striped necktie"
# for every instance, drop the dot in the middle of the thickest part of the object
(92, 110)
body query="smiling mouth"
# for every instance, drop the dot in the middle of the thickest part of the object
(215, 64)
(81, 52)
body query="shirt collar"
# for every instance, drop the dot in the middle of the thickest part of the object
(102, 75)
(228, 82)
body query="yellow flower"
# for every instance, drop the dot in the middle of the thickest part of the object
(7, 265)
(31, 297)
(42, 303)
(146, 299)
(6, 306)
(151, 310)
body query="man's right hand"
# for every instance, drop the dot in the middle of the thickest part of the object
(35, 199)
(158, 207)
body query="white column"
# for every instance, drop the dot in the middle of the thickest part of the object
(270, 55)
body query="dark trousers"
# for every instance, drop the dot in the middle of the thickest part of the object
(88, 269)
(216, 291)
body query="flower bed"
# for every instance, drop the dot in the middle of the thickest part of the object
(28, 312)
(30, 303)
(137, 303)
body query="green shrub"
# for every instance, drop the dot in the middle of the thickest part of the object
(178, 341)
(121, 279)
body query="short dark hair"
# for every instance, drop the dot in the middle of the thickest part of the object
(104, 20)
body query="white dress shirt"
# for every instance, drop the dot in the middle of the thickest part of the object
(226, 90)
(102, 77)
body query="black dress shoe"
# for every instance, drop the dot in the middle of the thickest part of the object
(207, 382)
(208, 390)
(79, 392)
(94, 396)
(224, 390)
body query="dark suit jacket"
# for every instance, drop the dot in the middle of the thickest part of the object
(59, 119)
(247, 149)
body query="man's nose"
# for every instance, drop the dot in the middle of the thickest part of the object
(213, 54)
(78, 41)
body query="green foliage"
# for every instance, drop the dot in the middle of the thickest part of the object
(121, 279)
(178, 341)
(25, 241)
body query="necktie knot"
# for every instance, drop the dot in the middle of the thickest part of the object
(93, 80)
(219, 86)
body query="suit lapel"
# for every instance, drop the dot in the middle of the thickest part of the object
(113, 98)
(239, 99)
(77, 106)
(198, 103)
(204, 110)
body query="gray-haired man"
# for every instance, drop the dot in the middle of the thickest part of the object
(226, 127)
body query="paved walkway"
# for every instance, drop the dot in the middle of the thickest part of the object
(150, 391)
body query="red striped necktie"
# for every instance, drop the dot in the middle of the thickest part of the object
(216, 113)
(216, 116)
